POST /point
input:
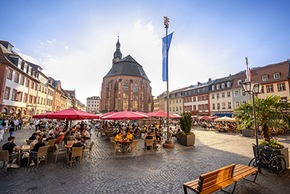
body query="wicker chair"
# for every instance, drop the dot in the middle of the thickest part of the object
(4, 157)
(132, 146)
(51, 143)
(149, 143)
(59, 151)
(42, 152)
(89, 149)
(116, 147)
(76, 152)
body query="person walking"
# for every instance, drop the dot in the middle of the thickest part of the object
(2, 127)
(11, 128)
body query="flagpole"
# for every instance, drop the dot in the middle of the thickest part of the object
(166, 23)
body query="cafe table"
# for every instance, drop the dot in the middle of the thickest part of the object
(124, 143)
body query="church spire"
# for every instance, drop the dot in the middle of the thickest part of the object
(117, 53)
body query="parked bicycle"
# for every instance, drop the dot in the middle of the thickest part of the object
(268, 158)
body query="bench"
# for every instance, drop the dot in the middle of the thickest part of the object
(220, 179)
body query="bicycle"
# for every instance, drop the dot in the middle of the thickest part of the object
(268, 158)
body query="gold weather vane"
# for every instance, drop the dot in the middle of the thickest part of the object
(166, 21)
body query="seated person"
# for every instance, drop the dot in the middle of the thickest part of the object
(86, 134)
(60, 137)
(129, 136)
(79, 142)
(119, 136)
(37, 136)
(33, 136)
(11, 147)
(34, 150)
(50, 137)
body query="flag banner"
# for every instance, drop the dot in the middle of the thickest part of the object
(248, 75)
(165, 56)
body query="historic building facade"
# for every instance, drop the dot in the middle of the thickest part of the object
(126, 86)
(93, 104)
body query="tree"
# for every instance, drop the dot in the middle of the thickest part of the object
(271, 115)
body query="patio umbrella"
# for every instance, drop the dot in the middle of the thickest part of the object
(162, 113)
(72, 114)
(42, 115)
(225, 118)
(129, 115)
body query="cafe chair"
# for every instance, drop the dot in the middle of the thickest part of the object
(149, 144)
(116, 147)
(76, 152)
(51, 143)
(42, 153)
(59, 151)
(89, 150)
(4, 158)
(133, 146)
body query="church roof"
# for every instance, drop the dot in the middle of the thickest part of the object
(127, 66)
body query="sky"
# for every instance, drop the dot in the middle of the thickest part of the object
(74, 41)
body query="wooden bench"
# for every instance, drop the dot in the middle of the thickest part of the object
(220, 178)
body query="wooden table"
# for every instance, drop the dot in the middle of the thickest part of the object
(124, 143)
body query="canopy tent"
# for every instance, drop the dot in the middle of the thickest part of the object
(124, 115)
(225, 118)
(162, 113)
(72, 114)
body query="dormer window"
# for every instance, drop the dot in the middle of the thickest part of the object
(212, 87)
(223, 85)
(276, 75)
(218, 87)
(228, 84)
(265, 78)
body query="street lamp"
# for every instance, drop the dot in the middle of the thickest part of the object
(253, 89)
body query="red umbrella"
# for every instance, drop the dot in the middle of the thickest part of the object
(162, 113)
(125, 115)
(42, 115)
(72, 114)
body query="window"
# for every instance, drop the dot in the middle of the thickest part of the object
(213, 106)
(212, 87)
(223, 95)
(229, 105)
(262, 89)
(217, 96)
(265, 78)
(22, 79)
(276, 75)
(27, 82)
(218, 106)
(223, 105)
(228, 84)
(237, 103)
(281, 87)
(14, 95)
(237, 93)
(270, 89)
(7, 93)
(239, 83)
(283, 99)
(32, 85)
(16, 78)
(9, 74)
(223, 85)
(218, 87)
(228, 94)
(19, 96)
(194, 107)
(25, 97)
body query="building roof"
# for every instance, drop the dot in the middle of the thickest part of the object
(127, 66)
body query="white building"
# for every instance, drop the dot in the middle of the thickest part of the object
(93, 104)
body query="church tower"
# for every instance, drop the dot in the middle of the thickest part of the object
(117, 54)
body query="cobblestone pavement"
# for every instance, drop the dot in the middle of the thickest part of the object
(159, 171)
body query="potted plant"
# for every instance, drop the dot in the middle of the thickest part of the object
(271, 115)
(186, 137)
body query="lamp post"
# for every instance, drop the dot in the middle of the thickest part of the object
(253, 89)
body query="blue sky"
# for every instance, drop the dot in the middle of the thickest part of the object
(74, 41)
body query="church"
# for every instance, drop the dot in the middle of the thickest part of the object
(126, 86)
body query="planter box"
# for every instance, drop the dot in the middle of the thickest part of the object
(187, 140)
(248, 132)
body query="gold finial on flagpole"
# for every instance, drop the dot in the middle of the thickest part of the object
(166, 21)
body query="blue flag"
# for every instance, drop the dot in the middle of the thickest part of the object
(165, 56)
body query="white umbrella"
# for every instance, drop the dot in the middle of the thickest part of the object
(225, 118)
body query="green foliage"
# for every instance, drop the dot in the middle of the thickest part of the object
(271, 114)
(273, 143)
(186, 122)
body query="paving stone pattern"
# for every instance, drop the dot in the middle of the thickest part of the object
(160, 171)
